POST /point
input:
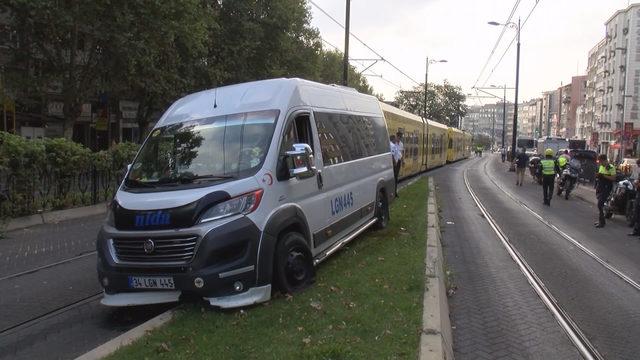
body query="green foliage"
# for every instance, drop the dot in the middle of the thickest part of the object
(54, 173)
(154, 52)
(445, 103)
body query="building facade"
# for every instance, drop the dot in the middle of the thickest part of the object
(619, 126)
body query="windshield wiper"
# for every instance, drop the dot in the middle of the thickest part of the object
(138, 183)
(212, 177)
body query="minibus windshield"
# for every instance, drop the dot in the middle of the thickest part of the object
(206, 150)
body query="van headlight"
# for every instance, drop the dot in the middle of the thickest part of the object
(243, 204)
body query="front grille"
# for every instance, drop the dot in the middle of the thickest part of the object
(170, 250)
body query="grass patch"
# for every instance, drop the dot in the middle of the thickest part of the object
(366, 304)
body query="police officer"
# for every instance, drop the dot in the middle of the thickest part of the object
(564, 159)
(606, 176)
(549, 167)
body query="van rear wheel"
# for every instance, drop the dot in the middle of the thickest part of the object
(382, 211)
(294, 269)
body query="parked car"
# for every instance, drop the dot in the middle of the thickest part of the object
(588, 164)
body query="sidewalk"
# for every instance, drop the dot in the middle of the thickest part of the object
(53, 217)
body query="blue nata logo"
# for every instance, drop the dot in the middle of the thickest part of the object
(153, 218)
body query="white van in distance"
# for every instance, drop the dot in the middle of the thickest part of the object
(243, 188)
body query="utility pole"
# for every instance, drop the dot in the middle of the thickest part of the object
(504, 113)
(345, 63)
(515, 109)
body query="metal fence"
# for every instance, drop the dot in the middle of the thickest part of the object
(45, 189)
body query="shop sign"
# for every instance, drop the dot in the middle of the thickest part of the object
(128, 109)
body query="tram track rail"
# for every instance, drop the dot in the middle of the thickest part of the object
(575, 334)
(47, 266)
(49, 314)
(592, 254)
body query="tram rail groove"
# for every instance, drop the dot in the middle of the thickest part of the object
(51, 313)
(576, 336)
(624, 277)
(43, 267)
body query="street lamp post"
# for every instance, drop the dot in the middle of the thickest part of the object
(515, 105)
(345, 61)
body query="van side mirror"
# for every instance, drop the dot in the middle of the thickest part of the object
(300, 161)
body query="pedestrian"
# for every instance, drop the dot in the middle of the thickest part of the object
(400, 146)
(605, 177)
(549, 168)
(395, 157)
(503, 153)
(636, 207)
(522, 161)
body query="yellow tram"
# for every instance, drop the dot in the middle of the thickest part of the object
(427, 144)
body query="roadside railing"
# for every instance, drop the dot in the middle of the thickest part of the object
(46, 190)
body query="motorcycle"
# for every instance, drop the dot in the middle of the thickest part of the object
(620, 200)
(568, 179)
(534, 169)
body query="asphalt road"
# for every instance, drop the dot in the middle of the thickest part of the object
(494, 311)
(49, 293)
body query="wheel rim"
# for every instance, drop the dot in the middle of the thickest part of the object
(296, 268)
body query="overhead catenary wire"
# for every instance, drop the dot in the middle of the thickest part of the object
(372, 73)
(511, 43)
(495, 46)
(382, 58)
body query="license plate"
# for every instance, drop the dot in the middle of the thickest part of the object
(143, 282)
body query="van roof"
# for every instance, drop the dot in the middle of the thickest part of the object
(275, 94)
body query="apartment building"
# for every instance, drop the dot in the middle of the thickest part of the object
(621, 84)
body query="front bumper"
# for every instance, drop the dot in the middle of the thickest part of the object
(224, 265)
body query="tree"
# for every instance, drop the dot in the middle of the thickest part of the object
(60, 50)
(160, 56)
(445, 103)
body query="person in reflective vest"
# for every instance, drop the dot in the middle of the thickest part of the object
(564, 159)
(549, 167)
(605, 177)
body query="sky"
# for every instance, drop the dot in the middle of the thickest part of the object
(555, 41)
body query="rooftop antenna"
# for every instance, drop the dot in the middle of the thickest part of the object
(215, 98)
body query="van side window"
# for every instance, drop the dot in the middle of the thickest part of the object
(298, 131)
(347, 137)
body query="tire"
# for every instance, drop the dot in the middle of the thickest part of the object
(294, 269)
(629, 213)
(382, 211)
(608, 214)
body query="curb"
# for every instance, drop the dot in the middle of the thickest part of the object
(52, 217)
(436, 339)
(127, 338)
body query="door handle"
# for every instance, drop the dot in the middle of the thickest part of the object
(319, 178)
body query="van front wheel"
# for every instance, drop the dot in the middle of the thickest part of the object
(294, 269)
(382, 211)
